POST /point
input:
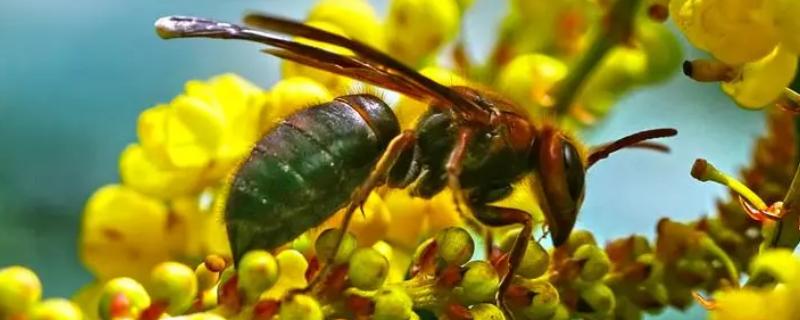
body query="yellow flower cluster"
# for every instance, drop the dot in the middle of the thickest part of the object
(758, 39)
(162, 209)
(541, 42)
(775, 303)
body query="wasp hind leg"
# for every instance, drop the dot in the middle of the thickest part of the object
(377, 177)
(497, 217)
(454, 166)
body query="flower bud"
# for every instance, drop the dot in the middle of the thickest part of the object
(56, 309)
(595, 299)
(19, 290)
(561, 313)
(578, 238)
(486, 311)
(529, 79)
(356, 18)
(761, 82)
(122, 297)
(432, 22)
(368, 269)
(626, 310)
(538, 299)
(208, 299)
(174, 284)
(300, 307)
(455, 246)
(326, 243)
(595, 263)
(662, 50)
(777, 264)
(536, 260)
(693, 271)
(258, 271)
(479, 283)
(199, 316)
(206, 279)
(392, 304)
(292, 266)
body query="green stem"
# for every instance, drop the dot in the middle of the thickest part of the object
(787, 231)
(619, 27)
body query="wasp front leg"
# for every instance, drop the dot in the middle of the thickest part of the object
(497, 217)
(377, 177)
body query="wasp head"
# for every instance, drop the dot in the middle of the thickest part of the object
(559, 166)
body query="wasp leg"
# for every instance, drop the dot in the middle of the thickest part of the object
(454, 166)
(376, 178)
(496, 217)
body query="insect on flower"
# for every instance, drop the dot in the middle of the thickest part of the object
(333, 155)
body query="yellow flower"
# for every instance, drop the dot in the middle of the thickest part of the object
(734, 31)
(140, 171)
(369, 227)
(196, 231)
(292, 266)
(529, 78)
(123, 233)
(432, 24)
(333, 82)
(291, 95)
(750, 303)
(414, 219)
(88, 298)
(761, 82)
(126, 233)
(355, 18)
(196, 139)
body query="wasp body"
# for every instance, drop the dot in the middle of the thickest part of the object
(305, 169)
(333, 155)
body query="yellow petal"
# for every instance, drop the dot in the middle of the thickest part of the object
(205, 120)
(140, 172)
(414, 219)
(123, 233)
(355, 18)
(369, 227)
(431, 22)
(292, 266)
(763, 81)
(291, 95)
(152, 131)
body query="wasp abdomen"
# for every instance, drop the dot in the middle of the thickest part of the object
(305, 169)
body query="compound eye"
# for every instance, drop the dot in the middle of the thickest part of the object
(573, 170)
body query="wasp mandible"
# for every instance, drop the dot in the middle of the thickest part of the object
(332, 155)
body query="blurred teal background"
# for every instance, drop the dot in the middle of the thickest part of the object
(75, 74)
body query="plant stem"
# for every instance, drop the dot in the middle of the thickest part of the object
(618, 28)
(787, 231)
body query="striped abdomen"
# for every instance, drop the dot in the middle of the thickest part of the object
(305, 169)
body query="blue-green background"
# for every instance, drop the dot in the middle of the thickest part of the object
(75, 74)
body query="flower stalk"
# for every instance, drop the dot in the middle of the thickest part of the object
(787, 230)
(619, 27)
